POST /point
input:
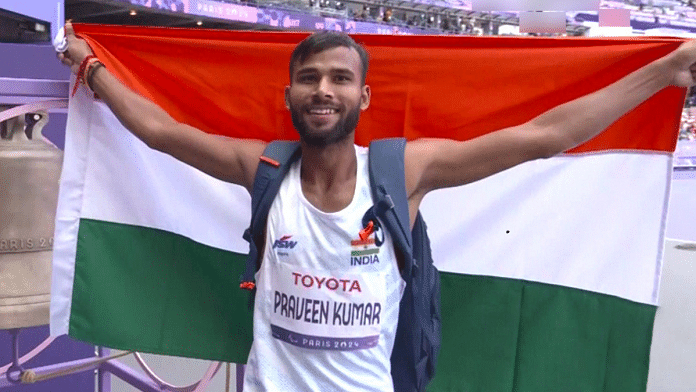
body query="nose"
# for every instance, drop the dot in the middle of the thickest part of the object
(324, 88)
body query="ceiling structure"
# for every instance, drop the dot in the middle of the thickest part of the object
(18, 28)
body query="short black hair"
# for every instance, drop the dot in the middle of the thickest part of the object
(325, 40)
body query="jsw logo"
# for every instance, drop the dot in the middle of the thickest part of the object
(283, 243)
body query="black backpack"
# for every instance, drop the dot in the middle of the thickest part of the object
(417, 341)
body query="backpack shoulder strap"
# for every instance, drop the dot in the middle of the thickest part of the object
(388, 183)
(275, 162)
(273, 166)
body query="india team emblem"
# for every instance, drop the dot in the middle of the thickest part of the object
(364, 251)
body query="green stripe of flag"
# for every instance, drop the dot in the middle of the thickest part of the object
(150, 290)
(177, 297)
(364, 252)
(504, 335)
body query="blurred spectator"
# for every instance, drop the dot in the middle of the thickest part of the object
(687, 131)
(431, 21)
(170, 5)
(691, 98)
(477, 29)
(364, 15)
(470, 26)
(388, 15)
(445, 24)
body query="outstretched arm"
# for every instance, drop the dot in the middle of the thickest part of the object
(232, 160)
(440, 163)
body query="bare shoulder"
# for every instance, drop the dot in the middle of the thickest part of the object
(418, 158)
(419, 155)
(228, 159)
(248, 153)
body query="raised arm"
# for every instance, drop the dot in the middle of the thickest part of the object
(440, 163)
(228, 159)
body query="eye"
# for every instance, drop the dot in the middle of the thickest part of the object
(341, 78)
(306, 78)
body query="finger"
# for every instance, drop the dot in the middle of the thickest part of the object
(65, 61)
(69, 31)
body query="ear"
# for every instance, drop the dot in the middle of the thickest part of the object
(287, 97)
(365, 97)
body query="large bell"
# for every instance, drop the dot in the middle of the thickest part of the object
(29, 175)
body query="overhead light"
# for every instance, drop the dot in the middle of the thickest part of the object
(200, 22)
(133, 12)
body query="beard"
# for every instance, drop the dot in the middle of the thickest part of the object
(343, 128)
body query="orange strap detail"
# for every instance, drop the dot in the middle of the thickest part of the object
(364, 233)
(269, 161)
(247, 285)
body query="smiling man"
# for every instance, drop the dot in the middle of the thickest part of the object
(305, 287)
(346, 71)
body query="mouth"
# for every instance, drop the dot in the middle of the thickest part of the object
(321, 114)
(321, 111)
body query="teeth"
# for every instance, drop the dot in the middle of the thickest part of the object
(322, 111)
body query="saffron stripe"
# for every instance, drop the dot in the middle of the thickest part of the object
(465, 99)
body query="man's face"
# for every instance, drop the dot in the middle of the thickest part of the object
(326, 95)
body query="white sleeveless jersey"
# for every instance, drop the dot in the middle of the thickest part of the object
(327, 302)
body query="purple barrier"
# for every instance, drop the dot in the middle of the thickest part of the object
(62, 349)
(459, 4)
(682, 209)
(685, 155)
(213, 9)
(296, 20)
(358, 27)
(371, 28)
(221, 10)
(169, 5)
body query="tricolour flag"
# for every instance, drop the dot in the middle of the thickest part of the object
(550, 270)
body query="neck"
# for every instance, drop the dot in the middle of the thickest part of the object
(325, 167)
